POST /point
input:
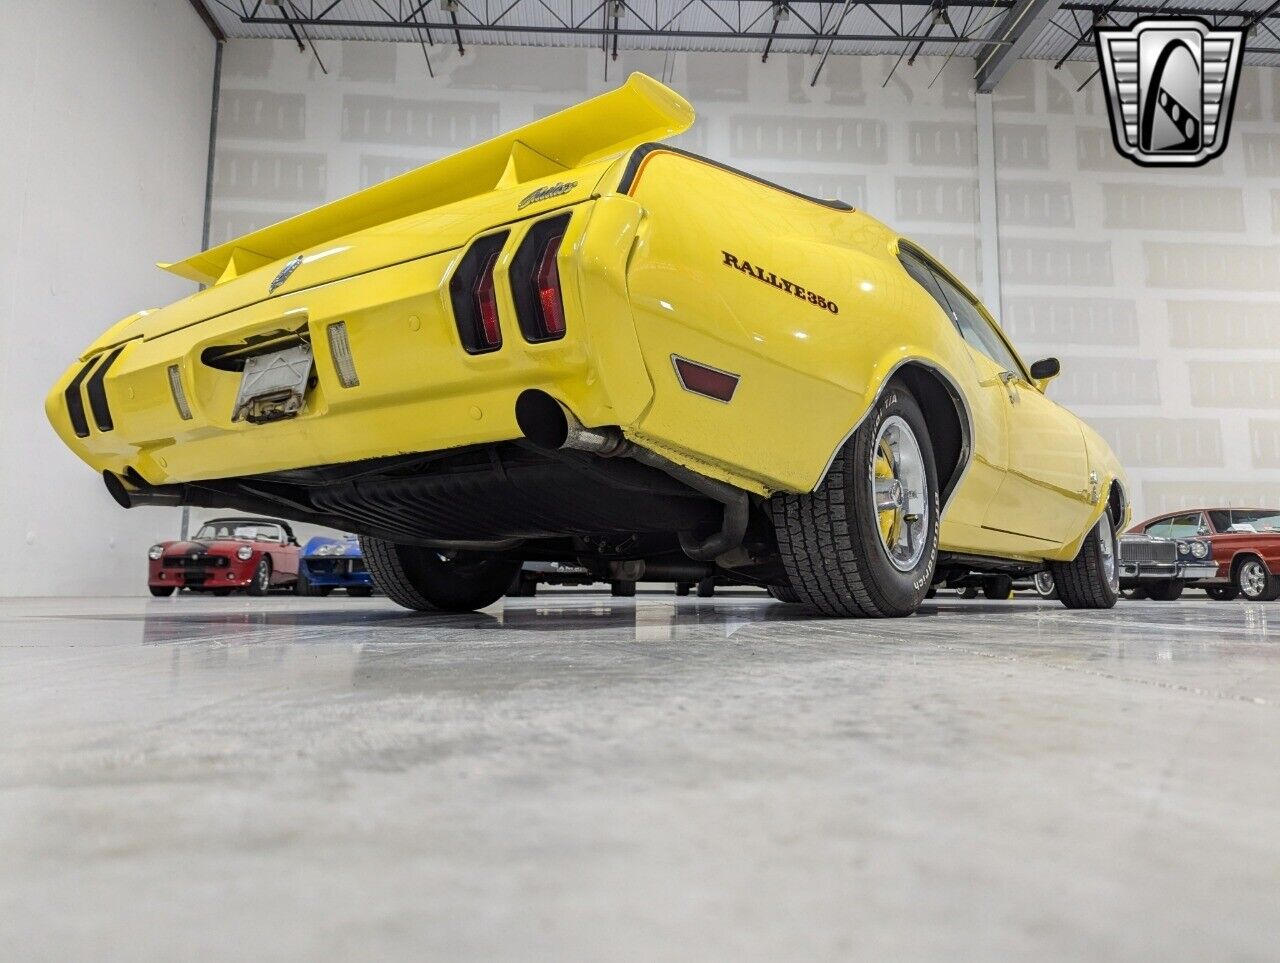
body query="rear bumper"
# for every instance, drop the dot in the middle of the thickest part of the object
(418, 389)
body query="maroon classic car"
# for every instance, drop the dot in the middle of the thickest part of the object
(253, 554)
(1245, 544)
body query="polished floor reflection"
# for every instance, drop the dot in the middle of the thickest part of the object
(579, 777)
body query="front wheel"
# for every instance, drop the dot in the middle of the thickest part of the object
(428, 580)
(865, 541)
(1169, 591)
(260, 584)
(997, 587)
(161, 591)
(1091, 580)
(1044, 585)
(1254, 582)
(1223, 593)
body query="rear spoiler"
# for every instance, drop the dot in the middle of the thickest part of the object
(640, 110)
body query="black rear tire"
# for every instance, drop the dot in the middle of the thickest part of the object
(784, 593)
(830, 539)
(161, 591)
(1223, 593)
(968, 592)
(998, 588)
(1091, 580)
(303, 585)
(427, 580)
(1169, 591)
(622, 590)
(706, 587)
(683, 589)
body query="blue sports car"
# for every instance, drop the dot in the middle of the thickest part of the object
(328, 563)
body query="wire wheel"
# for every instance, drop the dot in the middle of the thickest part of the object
(899, 489)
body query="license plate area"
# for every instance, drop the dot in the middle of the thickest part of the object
(273, 385)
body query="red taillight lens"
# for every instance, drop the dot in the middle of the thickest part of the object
(474, 295)
(535, 281)
(547, 281)
(486, 297)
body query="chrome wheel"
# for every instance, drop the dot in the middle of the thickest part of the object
(899, 491)
(1253, 579)
(1107, 552)
(1044, 583)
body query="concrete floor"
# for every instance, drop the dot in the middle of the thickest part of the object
(577, 777)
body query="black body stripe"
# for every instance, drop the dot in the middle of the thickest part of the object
(98, 393)
(644, 150)
(75, 401)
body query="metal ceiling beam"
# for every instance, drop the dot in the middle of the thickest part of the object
(586, 30)
(1020, 27)
(203, 13)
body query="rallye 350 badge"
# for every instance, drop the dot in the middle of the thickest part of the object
(546, 193)
(782, 284)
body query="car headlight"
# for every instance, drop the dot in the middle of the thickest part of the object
(244, 553)
(155, 551)
(1200, 549)
(1183, 547)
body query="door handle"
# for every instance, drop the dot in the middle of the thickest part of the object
(1007, 378)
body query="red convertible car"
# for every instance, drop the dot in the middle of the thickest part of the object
(253, 554)
(1245, 545)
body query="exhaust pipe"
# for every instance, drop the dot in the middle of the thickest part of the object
(551, 426)
(132, 494)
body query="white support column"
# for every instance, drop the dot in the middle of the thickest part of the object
(988, 214)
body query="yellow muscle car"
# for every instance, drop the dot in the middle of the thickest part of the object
(571, 343)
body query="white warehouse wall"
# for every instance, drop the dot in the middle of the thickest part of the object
(1160, 291)
(104, 109)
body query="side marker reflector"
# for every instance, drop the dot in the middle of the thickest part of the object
(179, 395)
(704, 380)
(340, 348)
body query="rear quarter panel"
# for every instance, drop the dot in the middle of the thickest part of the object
(708, 281)
(1230, 546)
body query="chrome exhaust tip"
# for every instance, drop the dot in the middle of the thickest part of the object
(129, 496)
(551, 426)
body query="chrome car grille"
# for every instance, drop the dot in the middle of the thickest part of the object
(1142, 550)
(196, 561)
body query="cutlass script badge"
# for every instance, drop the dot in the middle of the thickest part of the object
(283, 276)
(546, 193)
(782, 284)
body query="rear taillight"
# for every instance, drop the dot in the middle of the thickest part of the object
(535, 281)
(474, 294)
(486, 297)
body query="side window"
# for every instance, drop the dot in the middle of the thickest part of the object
(976, 329)
(1180, 526)
(924, 276)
